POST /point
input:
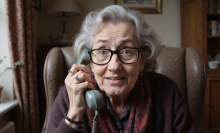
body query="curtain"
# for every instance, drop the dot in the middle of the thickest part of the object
(22, 47)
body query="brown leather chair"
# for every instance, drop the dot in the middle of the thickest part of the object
(184, 66)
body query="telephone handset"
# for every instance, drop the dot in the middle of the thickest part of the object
(94, 99)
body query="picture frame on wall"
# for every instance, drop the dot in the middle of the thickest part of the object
(144, 6)
(37, 4)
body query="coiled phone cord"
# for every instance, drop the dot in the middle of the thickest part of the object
(94, 122)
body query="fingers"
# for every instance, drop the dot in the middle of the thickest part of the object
(79, 74)
(78, 67)
(82, 86)
(81, 77)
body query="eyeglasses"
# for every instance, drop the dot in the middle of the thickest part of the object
(125, 55)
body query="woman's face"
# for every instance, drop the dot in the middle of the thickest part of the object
(116, 78)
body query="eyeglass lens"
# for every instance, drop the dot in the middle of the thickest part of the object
(126, 55)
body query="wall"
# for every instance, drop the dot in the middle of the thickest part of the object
(166, 25)
(6, 79)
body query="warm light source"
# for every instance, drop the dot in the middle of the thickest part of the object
(63, 8)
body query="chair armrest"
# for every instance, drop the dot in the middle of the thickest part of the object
(53, 78)
(196, 83)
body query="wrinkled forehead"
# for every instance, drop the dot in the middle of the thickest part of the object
(125, 28)
(116, 21)
(116, 31)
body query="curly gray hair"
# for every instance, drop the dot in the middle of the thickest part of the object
(148, 40)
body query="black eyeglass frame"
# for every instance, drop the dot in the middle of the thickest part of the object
(112, 52)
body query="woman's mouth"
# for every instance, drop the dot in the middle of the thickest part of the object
(116, 78)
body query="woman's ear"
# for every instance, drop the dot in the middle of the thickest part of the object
(142, 64)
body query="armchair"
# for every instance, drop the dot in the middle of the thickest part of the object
(184, 66)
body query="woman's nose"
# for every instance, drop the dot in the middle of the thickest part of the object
(114, 63)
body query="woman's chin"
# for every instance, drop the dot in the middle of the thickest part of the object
(114, 92)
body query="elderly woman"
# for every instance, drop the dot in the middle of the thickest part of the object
(122, 49)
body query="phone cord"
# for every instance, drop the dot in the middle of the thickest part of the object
(94, 122)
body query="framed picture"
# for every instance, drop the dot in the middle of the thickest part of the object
(37, 4)
(144, 6)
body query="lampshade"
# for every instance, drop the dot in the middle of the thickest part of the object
(68, 6)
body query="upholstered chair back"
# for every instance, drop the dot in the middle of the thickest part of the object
(185, 66)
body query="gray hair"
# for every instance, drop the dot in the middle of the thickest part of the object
(148, 40)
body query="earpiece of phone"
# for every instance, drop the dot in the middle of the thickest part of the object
(93, 98)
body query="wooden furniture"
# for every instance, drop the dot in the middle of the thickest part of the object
(42, 51)
(194, 20)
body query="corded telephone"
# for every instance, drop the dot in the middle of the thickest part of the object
(93, 98)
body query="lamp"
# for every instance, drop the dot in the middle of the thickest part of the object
(63, 8)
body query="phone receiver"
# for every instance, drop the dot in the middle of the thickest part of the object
(94, 99)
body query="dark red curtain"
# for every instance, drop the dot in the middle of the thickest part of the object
(21, 42)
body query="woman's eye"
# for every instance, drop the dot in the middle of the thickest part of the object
(126, 52)
(102, 52)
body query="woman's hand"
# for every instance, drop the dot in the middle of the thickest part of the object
(75, 89)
